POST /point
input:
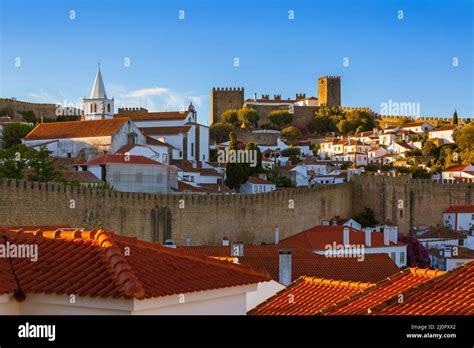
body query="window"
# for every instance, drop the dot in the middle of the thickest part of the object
(165, 158)
(108, 107)
(401, 213)
(192, 149)
(255, 188)
(402, 257)
(393, 255)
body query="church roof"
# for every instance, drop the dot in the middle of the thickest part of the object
(76, 129)
(98, 90)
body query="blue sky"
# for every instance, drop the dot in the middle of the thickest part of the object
(175, 60)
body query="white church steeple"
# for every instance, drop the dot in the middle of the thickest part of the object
(98, 106)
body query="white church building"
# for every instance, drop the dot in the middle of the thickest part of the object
(98, 106)
(166, 135)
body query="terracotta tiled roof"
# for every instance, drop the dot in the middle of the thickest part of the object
(122, 159)
(446, 128)
(216, 188)
(374, 268)
(311, 296)
(460, 209)
(81, 177)
(442, 232)
(92, 263)
(448, 294)
(413, 124)
(76, 129)
(457, 168)
(153, 141)
(185, 187)
(317, 237)
(308, 296)
(153, 116)
(259, 181)
(165, 130)
(391, 287)
(405, 145)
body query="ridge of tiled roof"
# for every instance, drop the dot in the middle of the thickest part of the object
(293, 300)
(460, 209)
(76, 129)
(317, 237)
(122, 159)
(374, 267)
(390, 287)
(96, 266)
(457, 168)
(447, 294)
(165, 130)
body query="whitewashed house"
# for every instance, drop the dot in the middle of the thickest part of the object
(256, 184)
(93, 138)
(445, 133)
(459, 217)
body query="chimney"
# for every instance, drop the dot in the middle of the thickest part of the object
(394, 234)
(255, 96)
(187, 241)
(334, 222)
(325, 223)
(368, 237)
(225, 241)
(345, 236)
(386, 236)
(285, 266)
(277, 235)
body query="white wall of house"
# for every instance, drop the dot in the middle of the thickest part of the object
(257, 188)
(225, 301)
(72, 146)
(459, 221)
(264, 291)
(446, 135)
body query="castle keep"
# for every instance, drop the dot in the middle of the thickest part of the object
(302, 107)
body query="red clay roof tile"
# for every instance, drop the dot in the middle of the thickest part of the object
(76, 129)
(93, 263)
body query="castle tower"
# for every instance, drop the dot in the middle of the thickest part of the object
(329, 91)
(223, 99)
(98, 106)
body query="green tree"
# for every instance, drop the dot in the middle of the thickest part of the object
(42, 167)
(7, 111)
(236, 173)
(248, 117)
(219, 132)
(14, 132)
(366, 218)
(293, 153)
(14, 160)
(28, 115)
(258, 168)
(292, 135)
(230, 116)
(455, 117)
(464, 139)
(280, 118)
(430, 149)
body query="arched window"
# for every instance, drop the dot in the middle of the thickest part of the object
(108, 108)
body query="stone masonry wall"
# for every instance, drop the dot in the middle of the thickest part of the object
(205, 218)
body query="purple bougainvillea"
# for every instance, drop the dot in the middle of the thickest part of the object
(417, 255)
